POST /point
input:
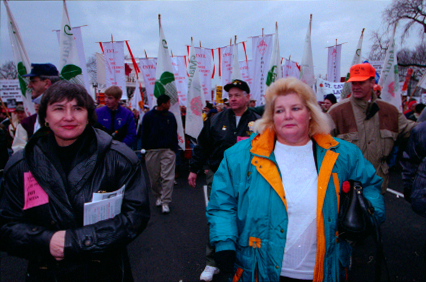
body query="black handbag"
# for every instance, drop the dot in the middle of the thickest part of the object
(356, 221)
(356, 212)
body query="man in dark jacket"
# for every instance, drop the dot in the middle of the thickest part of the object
(218, 134)
(116, 120)
(159, 139)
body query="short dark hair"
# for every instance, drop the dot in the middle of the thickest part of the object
(162, 99)
(62, 90)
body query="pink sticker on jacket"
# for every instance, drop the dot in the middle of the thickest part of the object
(240, 138)
(34, 194)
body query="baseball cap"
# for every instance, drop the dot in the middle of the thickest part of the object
(377, 87)
(19, 108)
(361, 72)
(240, 84)
(42, 69)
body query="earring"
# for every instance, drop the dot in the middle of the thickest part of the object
(46, 124)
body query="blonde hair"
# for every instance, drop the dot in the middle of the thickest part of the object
(317, 125)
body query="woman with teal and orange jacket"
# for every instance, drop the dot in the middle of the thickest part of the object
(275, 199)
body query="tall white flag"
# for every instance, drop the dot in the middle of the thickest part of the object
(236, 73)
(333, 64)
(100, 67)
(196, 101)
(21, 60)
(389, 79)
(165, 83)
(245, 71)
(307, 65)
(205, 63)
(355, 61)
(291, 68)
(68, 55)
(275, 71)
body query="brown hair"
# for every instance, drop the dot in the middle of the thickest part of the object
(114, 91)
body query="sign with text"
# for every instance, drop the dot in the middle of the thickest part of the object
(326, 87)
(10, 90)
(148, 68)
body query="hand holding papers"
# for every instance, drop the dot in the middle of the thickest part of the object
(103, 206)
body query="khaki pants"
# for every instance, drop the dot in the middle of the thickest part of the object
(161, 164)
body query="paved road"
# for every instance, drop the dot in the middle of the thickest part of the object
(172, 247)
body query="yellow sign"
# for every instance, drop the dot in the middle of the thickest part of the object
(219, 94)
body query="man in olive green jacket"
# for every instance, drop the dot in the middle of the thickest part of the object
(370, 123)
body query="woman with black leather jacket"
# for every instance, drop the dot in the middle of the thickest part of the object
(47, 184)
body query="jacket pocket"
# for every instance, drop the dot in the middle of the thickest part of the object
(352, 137)
(388, 139)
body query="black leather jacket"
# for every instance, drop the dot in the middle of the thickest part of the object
(219, 133)
(413, 164)
(95, 251)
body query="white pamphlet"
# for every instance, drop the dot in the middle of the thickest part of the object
(103, 206)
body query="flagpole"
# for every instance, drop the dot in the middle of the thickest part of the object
(146, 56)
(159, 22)
(200, 42)
(262, 31)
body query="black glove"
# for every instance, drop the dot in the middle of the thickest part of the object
(225, 260)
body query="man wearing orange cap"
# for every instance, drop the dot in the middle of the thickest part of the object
(371, 124)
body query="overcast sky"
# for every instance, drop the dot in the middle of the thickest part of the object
(211, 22)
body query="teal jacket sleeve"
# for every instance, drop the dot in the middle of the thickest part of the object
(222, 209)
(362, 170)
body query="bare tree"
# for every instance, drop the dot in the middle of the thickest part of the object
(8, 70)
(411, 14)
(92, 69)
(379, 47)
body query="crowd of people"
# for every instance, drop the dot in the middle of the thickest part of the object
(274, 175)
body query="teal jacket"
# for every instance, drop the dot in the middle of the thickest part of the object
(247, 211)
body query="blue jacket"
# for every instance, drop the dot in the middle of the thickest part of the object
(247, 211)
(159, 130)
(123, 117)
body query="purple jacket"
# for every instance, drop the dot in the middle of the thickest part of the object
(122, 117)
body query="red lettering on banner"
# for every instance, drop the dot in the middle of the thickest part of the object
(201, 56)
(149, 67)
(227, 54)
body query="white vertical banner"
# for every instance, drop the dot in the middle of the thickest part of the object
(261, 56)
(196, 101)
(78, 39)
(136, 101)
(307, 66)
(389, 79)
(165, 83)
(333, 64)
(291, 69)
(205, 66)
(250, 65)
(69, 62)
(114, 64)
(100, 67)
(275, 71)
(225, 59)
(181, 78)
(356, 60)
(148, 67)
(21, 60)
(245, 72)
(236, 73)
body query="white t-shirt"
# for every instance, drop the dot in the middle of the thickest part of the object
(300, 178)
